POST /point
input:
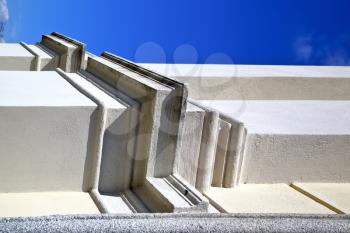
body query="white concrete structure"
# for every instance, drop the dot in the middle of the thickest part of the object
(121, 138)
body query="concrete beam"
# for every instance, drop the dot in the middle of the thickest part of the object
(172, 119)
(221, 152)
(208, 150)
(186, 164)
(260, 82)
(71, 52)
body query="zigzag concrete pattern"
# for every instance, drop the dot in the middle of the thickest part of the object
(134, 138)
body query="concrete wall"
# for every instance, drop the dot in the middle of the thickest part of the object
(254, 82)
(44, 132)
(43, 148)
(296, 158)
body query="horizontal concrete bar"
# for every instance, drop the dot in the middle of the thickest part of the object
(254, 82)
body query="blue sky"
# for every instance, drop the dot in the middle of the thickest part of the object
(304, 32)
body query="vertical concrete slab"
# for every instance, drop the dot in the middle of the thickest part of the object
(114, 168)
(48, 59)
(173, 113)
(71, 52)
(186, 164)
(153, 98)
(221, 151)
(207, 151)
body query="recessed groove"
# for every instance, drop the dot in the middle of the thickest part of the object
(316, 199)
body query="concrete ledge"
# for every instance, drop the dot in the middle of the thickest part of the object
(45, 203)
(264, 198)
(335, 196)
(254, 82)
(71, 53)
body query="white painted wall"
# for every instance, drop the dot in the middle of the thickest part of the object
(44, 133)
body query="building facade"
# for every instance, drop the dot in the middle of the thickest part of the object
(86, 134)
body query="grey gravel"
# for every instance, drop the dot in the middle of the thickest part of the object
(178, 223)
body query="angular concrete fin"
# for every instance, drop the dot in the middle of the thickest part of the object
(71, 52)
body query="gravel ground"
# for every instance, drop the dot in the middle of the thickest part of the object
(178, 223)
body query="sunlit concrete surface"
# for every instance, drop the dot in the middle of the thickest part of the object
(102, 134)
(15, 57)
(264, 198)
(46, 88)
(288, 117)
(335, 195)
(44, 132)
(260, 82)
(46, 203)
(117, 204)
(292, 141)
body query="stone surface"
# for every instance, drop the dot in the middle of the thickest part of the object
(262, 198)
(335, 194)
(250, 223)
(46, 203)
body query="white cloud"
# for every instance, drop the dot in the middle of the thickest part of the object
(303, 48)
(337, 58)
(4, 11)
(317, 49)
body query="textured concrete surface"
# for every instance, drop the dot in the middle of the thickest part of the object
(69, 55)
(111, 166)
(334, 194)
(48, 59)
(45, 203)
(207, 153)
(255, 82)
(151, 149)
(262, 198)
(286, 139)
(186, 164)
(180, 223)
(221, 151)
(116, 204)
